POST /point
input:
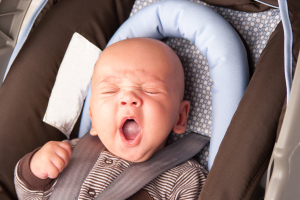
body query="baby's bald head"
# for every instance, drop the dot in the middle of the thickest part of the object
(142, 53)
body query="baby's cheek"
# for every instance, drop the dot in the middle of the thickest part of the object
(168, 111)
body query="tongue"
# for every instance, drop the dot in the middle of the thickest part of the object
(131, 129)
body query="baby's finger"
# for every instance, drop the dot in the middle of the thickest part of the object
(62, 152)
(58, 163)
(66, 147)
(53, 171)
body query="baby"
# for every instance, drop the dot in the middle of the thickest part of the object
(136, 101)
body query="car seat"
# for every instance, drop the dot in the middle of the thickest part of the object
(242, 141)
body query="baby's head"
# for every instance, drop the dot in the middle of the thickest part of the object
(137, 98)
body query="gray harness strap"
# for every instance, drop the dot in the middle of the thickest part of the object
(132, 179)
(138, 175)
(81, 163)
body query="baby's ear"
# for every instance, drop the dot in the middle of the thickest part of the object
(180, 125)
(93, 130)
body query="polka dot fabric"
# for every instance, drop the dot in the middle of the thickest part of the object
(255, 28)
(197, 85)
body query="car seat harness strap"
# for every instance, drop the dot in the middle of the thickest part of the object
(80, 164)
(132, 179)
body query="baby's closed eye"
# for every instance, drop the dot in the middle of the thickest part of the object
(151, 91)
(154, 90)
(109, 90)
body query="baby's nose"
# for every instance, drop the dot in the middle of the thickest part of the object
(131, 99)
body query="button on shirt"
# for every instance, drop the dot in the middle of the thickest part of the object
(92, 192)
(109, 161)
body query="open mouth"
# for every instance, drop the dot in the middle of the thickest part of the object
(130, 129)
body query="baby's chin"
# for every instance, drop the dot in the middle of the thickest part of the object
(139, 160)
(138, 155)
(132, 154)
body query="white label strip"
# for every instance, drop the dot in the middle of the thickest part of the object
(71, 84)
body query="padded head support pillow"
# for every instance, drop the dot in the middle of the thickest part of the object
(215, 39)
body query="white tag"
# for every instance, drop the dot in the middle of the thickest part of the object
(71, 84)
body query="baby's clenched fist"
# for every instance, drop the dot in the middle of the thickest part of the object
(50, 160)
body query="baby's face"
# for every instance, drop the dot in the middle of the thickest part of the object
(137, 90)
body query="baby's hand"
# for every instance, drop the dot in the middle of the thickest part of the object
(50, 160)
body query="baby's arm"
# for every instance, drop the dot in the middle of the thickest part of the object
(50, 160)
(30, 184)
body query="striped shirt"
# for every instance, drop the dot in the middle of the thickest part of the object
(184, 181)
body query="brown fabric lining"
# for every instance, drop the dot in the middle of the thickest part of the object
(271, 2)
(250, 137)
(27, 87)
(252, 186)
(46, 8)
(3, 194)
